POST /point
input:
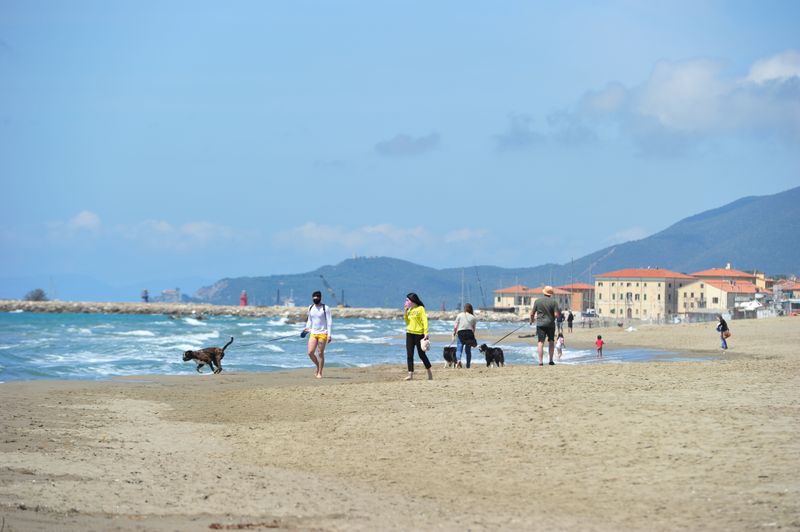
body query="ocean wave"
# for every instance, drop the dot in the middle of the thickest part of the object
(194, 321)
(79, 330)
(137, 333)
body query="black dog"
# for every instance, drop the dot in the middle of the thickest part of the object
(494, 355)
(450, 356)
(210, 355)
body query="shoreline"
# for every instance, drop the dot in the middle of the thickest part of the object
(646, 446)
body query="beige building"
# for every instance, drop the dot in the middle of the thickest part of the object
(639, 293)
(582, 296)
(713, 296)
(520, 298)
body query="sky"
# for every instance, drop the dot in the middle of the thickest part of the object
(164, 140)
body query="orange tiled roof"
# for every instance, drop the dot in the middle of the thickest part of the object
(788, 285)
(576, 286)
(645, 273)
(738, 287)
(516, 289)
(723, 272)
(522, 289)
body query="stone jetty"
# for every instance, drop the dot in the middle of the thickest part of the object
(196, 309)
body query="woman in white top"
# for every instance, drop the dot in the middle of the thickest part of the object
(464, 332)
(319, 325)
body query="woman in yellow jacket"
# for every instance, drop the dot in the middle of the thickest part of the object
(416, 330)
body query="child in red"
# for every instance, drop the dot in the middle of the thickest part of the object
(599, 345)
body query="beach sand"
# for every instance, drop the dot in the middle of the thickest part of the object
(707, 444)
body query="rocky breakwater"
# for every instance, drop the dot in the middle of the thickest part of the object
(192, 309)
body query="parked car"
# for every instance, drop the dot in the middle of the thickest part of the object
(589, 313)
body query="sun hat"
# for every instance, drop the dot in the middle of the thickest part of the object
(548, 290)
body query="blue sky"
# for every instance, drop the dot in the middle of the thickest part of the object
(166, 140)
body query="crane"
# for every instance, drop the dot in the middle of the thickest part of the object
(332, 292)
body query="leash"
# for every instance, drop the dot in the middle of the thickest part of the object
(509, 334)
(270, 340)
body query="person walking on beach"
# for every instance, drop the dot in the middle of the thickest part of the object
(560, 324)
(570, 319)
(416, 330)
(599, 345)
(560, 345)
(464, 332)
(545, 311)
(722, 329)
(318, 324)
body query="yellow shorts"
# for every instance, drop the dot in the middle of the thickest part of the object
(321, 337)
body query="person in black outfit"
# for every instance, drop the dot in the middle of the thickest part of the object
(570, 319)
(722, 327)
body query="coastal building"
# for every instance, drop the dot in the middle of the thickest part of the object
(726, 274)
(639, 293)
(581, 296)
(520, 298)
(704, 298)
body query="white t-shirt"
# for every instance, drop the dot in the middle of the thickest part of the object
(319, 319)
(559, 343)
(465, 321)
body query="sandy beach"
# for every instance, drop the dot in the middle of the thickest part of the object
(709, 444)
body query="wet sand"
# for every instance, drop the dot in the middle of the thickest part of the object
(640, 446)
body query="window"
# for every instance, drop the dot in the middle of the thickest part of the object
(684, 304)
(612, 284)
(644, 311)
(692, 295)
(636, 297)
(691, 305)
(669, 297)
(669, 285)
(715, 300)
(613, 311)
(684, 295)
(600, 283)
(613, 296)
(701, 286)
(659, 297)
(599, 296)
(637, 311)
(627, 284)
(659, 285)
(637, 284)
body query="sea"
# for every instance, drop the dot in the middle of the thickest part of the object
(103, 346)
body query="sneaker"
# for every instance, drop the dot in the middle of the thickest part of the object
(551, 363)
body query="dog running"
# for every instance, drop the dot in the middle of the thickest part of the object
(494, 355)
(210, 355)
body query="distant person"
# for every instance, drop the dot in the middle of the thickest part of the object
(416, 330)
(560, 345)
(243, 298)
(560, 323)
(318, 327)
(570, 319)
(464, 332)
(544, 312)
(722, 329)
(599, 345)
(145, 296)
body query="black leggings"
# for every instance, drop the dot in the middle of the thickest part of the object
(413, 340)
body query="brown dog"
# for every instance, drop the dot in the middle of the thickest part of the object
(210, 355)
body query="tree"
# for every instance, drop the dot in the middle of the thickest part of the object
(36, 295)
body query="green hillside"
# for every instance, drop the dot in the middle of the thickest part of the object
(751, 233)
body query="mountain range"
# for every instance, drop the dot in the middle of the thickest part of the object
(752, 233)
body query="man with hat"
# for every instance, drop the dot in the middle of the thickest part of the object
(545, 311)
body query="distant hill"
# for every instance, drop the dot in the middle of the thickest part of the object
(751, 233)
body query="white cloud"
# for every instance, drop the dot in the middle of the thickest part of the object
(149, 233)
(627, 235)
(82, 224)
(465, 235)
(779, 67)
(185, 237)
(683, 102)
(379, 239)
